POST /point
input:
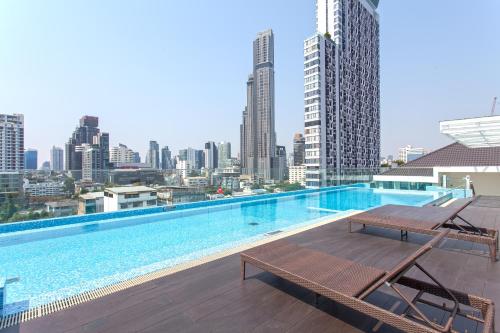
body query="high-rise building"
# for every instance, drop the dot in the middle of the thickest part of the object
(11, 155)
(83, 134)
(258, 130)
(195, 158)
(153, 155)
(56, 159)
(297, 174)
(11, 142)
(45, 166)
(137, 157)
(121, 154)
(279, 164)
(92, 163)
(183, 153)
(225, 155)
(102, 140)
(166, 159)
(30, 159)
(299, 149)
(342, 91)
(199, 159)
(211, 155)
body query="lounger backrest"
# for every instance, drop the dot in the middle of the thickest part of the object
(458, 209)
(406, 263)
(409, 261)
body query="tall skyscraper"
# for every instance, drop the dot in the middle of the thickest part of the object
(224, 154)
(30, 159)
(211, 155)
(56, 159)
(153, 155)
(258, 129)
(11, 142)
(342, 91)
(11, 155)
(299, 146)
(166, 159)
(83, 134)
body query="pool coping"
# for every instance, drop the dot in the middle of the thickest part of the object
(46, 309)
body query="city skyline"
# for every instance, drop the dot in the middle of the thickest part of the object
(68, 80)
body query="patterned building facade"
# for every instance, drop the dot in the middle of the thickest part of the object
(342, 92)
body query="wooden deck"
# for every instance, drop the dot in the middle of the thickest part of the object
(211, 297)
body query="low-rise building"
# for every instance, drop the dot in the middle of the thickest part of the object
(88, 186)
(62, 208)
(180, 194)
(128, 176)
(184, 167)
(473, 158)
(453, 166)
(297, 174)
(196, 181)
(44, 189)
(90, 203)
(228, 183)
(118, 198)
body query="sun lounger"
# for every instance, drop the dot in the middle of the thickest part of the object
(428, 220)
(350, 284)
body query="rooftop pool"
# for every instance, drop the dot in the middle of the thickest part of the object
(58, 258)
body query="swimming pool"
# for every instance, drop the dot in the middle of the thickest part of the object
(56, 262)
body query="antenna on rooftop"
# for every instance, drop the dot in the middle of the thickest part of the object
(494, 105)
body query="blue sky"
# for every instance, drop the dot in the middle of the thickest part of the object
(175, 71)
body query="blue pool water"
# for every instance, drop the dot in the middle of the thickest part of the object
(56, 262)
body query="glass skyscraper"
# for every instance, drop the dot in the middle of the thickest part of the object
(30, 159)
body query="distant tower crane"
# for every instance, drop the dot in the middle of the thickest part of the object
(493, 106)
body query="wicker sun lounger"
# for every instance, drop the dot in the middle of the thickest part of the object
(428, 220)
(350, 283)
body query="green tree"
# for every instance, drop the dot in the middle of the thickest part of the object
(69, 185)
(8, 208)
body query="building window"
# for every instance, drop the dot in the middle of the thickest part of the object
(151, 202)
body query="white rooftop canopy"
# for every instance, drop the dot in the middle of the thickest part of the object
(473, 132)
